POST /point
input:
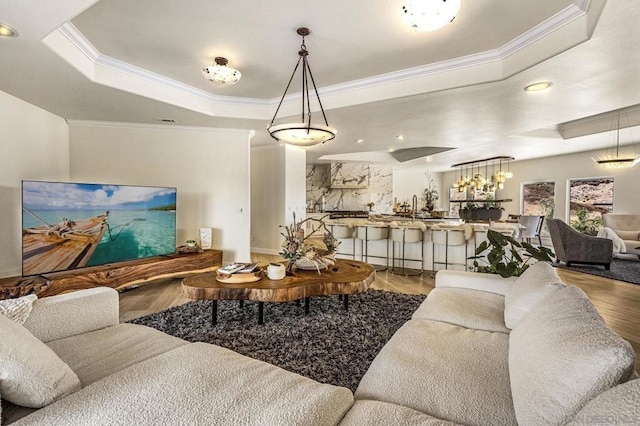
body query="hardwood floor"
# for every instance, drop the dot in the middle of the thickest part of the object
(618, 302)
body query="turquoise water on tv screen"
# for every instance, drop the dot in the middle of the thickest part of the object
(134, 233)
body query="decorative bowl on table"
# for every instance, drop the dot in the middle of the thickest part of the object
(316, 263)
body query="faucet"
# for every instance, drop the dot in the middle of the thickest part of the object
(414, 207)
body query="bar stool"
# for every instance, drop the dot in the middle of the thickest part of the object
(344, 232)
(369, 232)
(406, 235)
(448, 238)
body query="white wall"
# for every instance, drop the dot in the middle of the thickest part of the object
(35, 145)
(560, 169)
(267, 198)
(295, 195)
(413, 181)
(278, 189)
(209, 167)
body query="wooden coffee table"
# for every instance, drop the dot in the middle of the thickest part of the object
(346, 277)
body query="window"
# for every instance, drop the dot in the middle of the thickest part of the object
(588, 199)
(538, 199)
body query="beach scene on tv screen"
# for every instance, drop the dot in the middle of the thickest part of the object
(74, 225)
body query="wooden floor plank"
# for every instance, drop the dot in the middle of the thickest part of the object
(618, 302)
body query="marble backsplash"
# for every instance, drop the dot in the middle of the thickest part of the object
(380, 190)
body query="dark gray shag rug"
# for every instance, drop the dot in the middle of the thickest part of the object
(329, 344)
(621, 270)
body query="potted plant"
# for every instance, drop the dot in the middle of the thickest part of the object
(430, 194)
(507, 257)
(482, 210)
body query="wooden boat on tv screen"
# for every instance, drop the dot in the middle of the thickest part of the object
(66, 245)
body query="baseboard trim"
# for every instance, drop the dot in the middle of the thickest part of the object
(261, 250)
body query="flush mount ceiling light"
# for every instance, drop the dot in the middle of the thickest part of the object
(429, 15)
(612, 159)
(303, 134)
(7, 31)
(221, 74)
(536, 87)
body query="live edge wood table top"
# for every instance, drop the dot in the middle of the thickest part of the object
(344, 278)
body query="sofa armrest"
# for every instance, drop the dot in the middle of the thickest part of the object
(491, 283)
(70, 314)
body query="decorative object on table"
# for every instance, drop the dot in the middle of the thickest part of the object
(220, 73)
(239, 272)
(613, 159)
(299, 250)
(206, 238)
(371, 205)
(302, 133)
(276, 271)
(190, 247)
(507, 257)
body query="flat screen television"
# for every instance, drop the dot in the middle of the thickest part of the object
(75, 225)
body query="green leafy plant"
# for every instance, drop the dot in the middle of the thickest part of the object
(585, 224)
(507, 257)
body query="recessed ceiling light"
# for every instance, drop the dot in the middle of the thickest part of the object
(7, 31)
(428, 158)
(391, 150)
(535, 87)
(400, 137)
(359, 140)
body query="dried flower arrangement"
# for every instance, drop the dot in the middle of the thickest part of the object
(299, 250)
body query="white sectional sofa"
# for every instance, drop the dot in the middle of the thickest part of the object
(626, 227)
(481, 350)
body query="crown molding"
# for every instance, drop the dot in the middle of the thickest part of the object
(145, 126)
(73, 46)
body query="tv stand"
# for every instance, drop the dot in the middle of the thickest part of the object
(120, 276)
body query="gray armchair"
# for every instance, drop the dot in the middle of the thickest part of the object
(573, 247)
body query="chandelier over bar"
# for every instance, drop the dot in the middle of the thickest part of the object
(609, 160)
(305, 133)
(480, 182)
(429, 15)
(221, 74)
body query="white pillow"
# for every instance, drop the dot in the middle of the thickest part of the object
(17, 309)
(561, 356)
(536, 283)
(31, 374)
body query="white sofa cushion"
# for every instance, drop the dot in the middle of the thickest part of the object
(536, 283)
(200, 384)
(561, 356)
(101, 353)
(620, 405)
(31, 374)
(492, 283)
(17, 309)
(446, 371)
(70, 314)
(376, 413)
(628, 235)
(468, 308)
